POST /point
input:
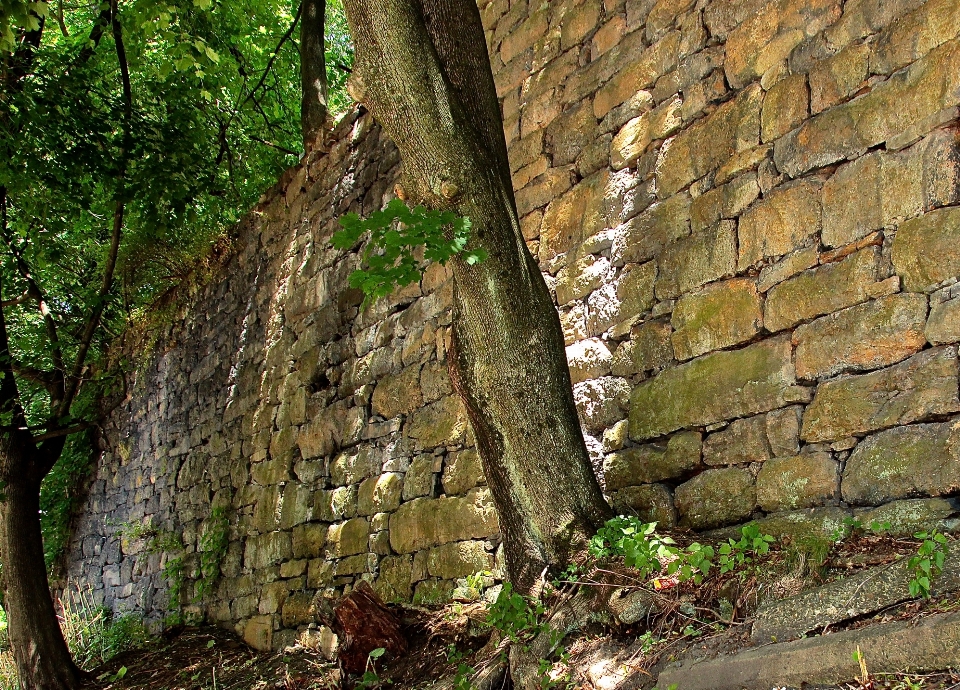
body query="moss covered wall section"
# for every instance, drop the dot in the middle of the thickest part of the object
(747, 212)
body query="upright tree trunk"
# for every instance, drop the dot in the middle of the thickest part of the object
(422, 69)
(313, 71)
(35, 636)
(38, 646)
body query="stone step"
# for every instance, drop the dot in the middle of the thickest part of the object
(930, 644)
(860, 594)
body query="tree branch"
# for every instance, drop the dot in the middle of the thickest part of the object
(16, 300)
(73, 381)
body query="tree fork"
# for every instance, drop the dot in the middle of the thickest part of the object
(423, 70)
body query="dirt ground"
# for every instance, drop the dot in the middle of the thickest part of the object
(694, 621)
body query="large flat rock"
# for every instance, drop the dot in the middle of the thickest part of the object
(857, 595)
(932, 644)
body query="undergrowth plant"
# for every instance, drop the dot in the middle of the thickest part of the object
(641, 547)
(928, 563)
(738, 552)
(517, 617)
(213, 548)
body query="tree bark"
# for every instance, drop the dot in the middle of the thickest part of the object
(313, 72)
(39, 649)
(422, 69)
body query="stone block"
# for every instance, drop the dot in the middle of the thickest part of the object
(442, 423)
(783, 222)
(653, 463)
(394, 581)
(578, 23)
(715, 388)
(258, 633)
(580, 279)
(458, 559)
(770, 34)
(354, 466)
(601, 402)
(422, 522)
(707, 144)
(718, 316)
(574, 216)
(308, 540)
(914, 35)
(868, 336)
(640, 74)
(525, 151)
(397, 394)
(716, 497)
(783, 431)
(696, 260)
(649, 502)
(267, 549)
(917, 389)
(943, 326)
(634, 137)
(912, 515)
(822, 290)
(836, 78)
(743, 442)
(644, 236)
(543, 189)
(803, 481)
(570, 133)
(297, 610)
(904, 462)
(926, 250)
(336, 504)
(348, 538)
(909, 97)
(588, 359)
(462, 472)
(648, 349)
(319, 573)
(419, 478)
(630, 295)
(380, 494)
(524, 36)
(784, 107)
(883, 189)
(432, 592)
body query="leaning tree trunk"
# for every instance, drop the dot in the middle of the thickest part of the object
(423, 71)
(313, 72)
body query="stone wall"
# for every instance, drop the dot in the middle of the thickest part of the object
(748, 213)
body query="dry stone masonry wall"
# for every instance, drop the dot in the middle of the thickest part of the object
(749, 214)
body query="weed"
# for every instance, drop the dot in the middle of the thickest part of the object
(213, 548)
(642, 548)
(370, 677)
(928, 563)
(736, 553)
(514, 615)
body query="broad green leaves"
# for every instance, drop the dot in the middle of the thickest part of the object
(397, 233)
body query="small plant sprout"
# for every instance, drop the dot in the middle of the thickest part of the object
(928, 563)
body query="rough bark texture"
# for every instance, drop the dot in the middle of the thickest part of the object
(365, 624)
(38, 646)
(422, 69)
(313, 72)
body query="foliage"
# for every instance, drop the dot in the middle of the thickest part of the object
(751, 544)
(94, 634)
(642, 548)
(517, 617)
(59, 495)
(370, 677)
(928, 563)
(213, 547)
(396, 234)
